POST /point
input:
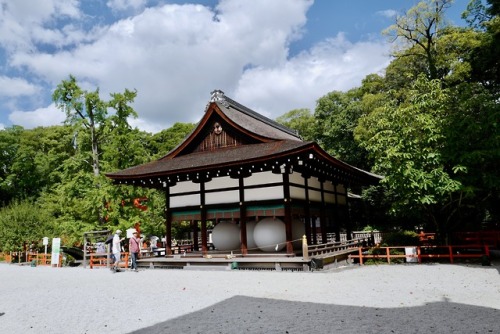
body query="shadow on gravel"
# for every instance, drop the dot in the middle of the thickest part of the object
(241, 314)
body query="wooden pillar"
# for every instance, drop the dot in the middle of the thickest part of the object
(314, 234)
(336, 221)
(348, 222)
(204, 247)
(322, 221)
(168, 223)
(307, 210)
(194, 230)
(288, 212)
(243, 218)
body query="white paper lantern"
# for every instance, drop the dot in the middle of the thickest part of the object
(269, 235)
(226, 236)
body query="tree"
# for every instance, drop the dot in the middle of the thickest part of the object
(83, 109)
(406, 140)
(337, 115)
(23, 223)
(166, 140)
(418, 30)
(300, 120)
(9, 143)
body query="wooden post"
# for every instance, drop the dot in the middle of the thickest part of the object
(419, 254)
(307, 211)
(305, 248)
(388, 253)
(336, 223)
(243, 218)
(288, 212)
(322, 219)
(168, 223)
(204, 245)
(451, 253)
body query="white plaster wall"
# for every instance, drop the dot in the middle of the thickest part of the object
(329, 198)
(262, 178)
(221, 197)
(222, 183)
(185, 186)
(296, 178)
(314, 183)
(264, 193)
(297, 193)
(185, 200)
(314, 196)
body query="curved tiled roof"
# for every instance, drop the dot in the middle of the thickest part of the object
(270, 142)
(255, 122)
(213, 159)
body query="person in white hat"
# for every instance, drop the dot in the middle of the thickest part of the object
(117, 248)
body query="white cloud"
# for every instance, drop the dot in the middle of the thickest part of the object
(335, 64)
(120, 5)
(11, 87)
(175, 55)
(389, 13)
(24, 22)
(40, 117)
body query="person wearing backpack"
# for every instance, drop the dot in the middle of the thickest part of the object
(109, 241)
(134, 247)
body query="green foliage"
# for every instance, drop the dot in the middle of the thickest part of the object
(429, 124)
(301, 120)
(337, 114)
(405, 140)
(164, 141)
(400, 238)
(23, 223)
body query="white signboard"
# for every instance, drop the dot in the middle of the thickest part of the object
(56, 251)
(412, 251)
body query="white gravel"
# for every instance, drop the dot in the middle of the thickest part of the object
(76, 300)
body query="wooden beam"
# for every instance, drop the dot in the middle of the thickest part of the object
(322, 219)
(243, 217)
(288, 213)
(204, 244)
(307, 211)
(168, 223)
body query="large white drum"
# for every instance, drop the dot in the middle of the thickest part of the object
(270, 235)
(226, 236)
(251, 245)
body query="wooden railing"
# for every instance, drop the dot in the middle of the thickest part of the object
(42, 259)
(332, 247)
(422, 252)
(101, 260)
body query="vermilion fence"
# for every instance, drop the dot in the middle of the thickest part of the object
(418, 253)
(101, 260)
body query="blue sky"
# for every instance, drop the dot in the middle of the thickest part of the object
(270, 55)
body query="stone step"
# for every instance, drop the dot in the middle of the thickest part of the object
(208, 267)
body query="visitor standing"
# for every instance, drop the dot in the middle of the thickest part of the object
(117, 248)
(134, 249)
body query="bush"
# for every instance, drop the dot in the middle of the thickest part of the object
(400, 238)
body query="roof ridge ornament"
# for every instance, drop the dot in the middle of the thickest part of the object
(218, 96)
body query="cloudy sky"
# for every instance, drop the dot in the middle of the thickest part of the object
(270, 55)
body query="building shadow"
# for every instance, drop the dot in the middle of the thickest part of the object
(242, 314)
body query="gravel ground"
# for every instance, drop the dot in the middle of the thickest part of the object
(431, 298)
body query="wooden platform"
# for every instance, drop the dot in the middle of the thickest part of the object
(254, 261)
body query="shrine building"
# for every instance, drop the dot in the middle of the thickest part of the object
(257, 180)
